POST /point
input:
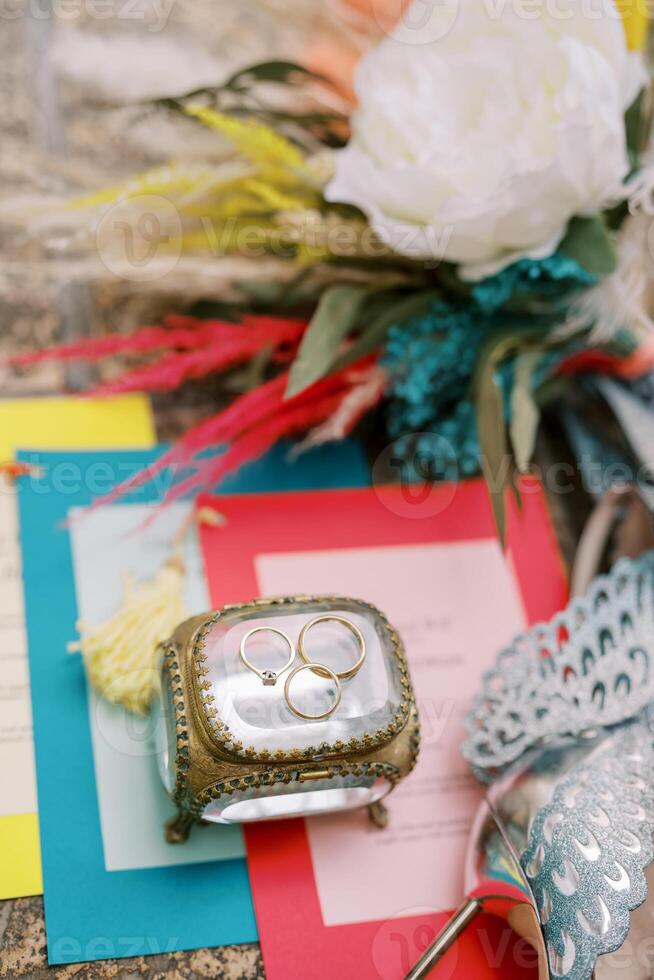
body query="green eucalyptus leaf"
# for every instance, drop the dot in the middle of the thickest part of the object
(495, 460)
(525, 415)
(336, 314)
(262, 293)
(397, 311)
(589, 242)
(635, 120)
(257, 367)
(284, 72)
(491, 433)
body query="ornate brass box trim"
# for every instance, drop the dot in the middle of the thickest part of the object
(211, 763)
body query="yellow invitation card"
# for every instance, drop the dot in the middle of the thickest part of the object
(44, 423)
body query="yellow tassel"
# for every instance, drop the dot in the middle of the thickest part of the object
(120, 655)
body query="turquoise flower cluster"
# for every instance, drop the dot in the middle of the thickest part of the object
(548, 280)
(430, 362)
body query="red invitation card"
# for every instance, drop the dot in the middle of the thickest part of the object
(335, 897)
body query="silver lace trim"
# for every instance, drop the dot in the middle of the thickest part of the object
(587, 853)
(590, 667)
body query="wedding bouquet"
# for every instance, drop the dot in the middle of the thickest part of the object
(446, 242)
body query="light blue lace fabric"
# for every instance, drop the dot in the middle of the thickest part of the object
(588, 849)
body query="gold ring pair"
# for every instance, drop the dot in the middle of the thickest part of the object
(269, 677)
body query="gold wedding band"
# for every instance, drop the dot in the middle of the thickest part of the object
(269, 677)
(324, 672)
(321, 669)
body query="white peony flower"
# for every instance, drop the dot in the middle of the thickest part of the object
(483, 127)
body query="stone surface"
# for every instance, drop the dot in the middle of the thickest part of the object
(23, 955)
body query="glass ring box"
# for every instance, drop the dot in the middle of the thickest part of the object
(283, 707)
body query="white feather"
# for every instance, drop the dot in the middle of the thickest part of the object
(363, 396)
(624, 298)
